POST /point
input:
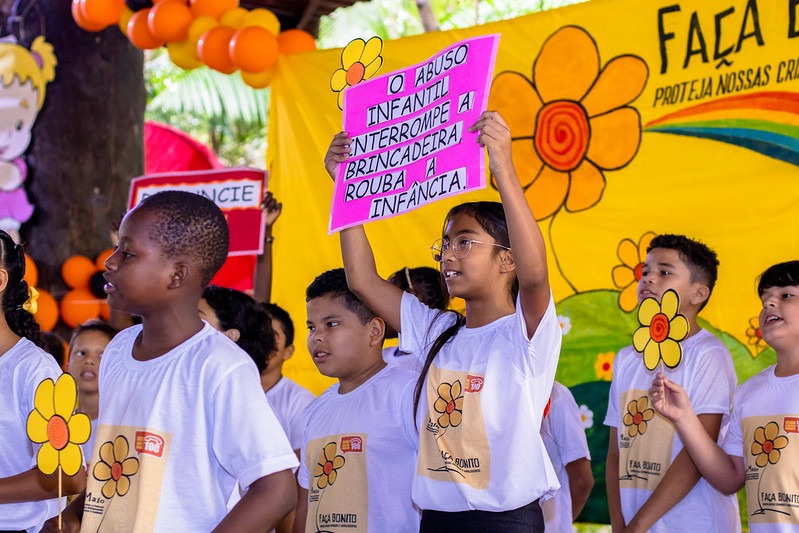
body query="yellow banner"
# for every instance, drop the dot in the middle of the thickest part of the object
(629, 118)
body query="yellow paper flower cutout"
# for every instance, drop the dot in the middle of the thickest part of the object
(54, 424)
(604, 366)
(661, 331)
(327, 467)
(360, 60)
(767, 444)
(572, 121)
(755, 336)
(637, 416)
(627, 275)
(115, 467)
(449, 404)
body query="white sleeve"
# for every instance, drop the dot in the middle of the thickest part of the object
(566, 426)
(419, 325)
(733, 440)
(612, 415)
(710, 383)
(543, 348)
(247, 438)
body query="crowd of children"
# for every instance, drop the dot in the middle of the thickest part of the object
(460, 427)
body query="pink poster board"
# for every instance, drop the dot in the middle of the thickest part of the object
(237, 191)
(411, 144)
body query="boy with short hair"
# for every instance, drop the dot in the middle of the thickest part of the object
(182, 415)
(360, 440)
(651, 481)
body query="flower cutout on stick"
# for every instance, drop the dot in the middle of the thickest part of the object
(326, 470)
(449, 404)
(767, 444)
(627, 275)
(661, 331)
(115, 467)
(360, 60)
(572, 121)
(54, 424)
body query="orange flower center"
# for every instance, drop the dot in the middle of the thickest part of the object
(327, 468)
(355, 73)
(561, 134)
(638, 418)
(639, 272)
(450, 407)
(116, 471)
(768, 446)
(57, 432)
(659, 327)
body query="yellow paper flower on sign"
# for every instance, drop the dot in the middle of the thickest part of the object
(661, 331)
(54, 424)
(627, 275)
(572, 122)
(360, 60)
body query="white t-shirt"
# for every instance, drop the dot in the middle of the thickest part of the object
(359, 455)
(479, 444)
(646, 449)
(564, 438)
(289, 401)
(766, 408)
(22, 368)
(176, 433)
(394, 356)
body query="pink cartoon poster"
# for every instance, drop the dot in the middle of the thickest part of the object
(411, 144)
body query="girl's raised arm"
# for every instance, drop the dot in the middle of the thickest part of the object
(526, 241)
(379, 295)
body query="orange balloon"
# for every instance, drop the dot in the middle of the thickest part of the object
(295, 42)
(139, 31)
(31, 272)
(105, 12)
(212, 8)
(213, 49)
(99, 263)
(47, 311)
(124, 18)
(258, 80)
(78, 306)
(77, 270)
(81, 20)
(170, 21)
(263, 18)
(253, 49)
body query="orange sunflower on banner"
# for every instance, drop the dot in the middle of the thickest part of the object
(572, 121)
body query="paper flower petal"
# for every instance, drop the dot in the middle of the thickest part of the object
(641, 338)
(567, 65)
(546, 194)
(372, 68)
(36, 427)
(619, 83)
(371, 50)
(678, 328)
(65, 396)
(71, 459)
(671, 352)
(43, 399)
(615, 138)
(585, 187)
(352, 53)
(648, 309)
(338, 80)
(47, 459)
(508, 90)
(669, 304)
(651, 355)
(80, 427)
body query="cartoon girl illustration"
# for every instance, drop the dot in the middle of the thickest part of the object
(24, 75)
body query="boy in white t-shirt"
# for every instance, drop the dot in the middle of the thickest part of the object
(359, 455)
(652, 483)
(760, 449)
(563, 433)
(182, 417)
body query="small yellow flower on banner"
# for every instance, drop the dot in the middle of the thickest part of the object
(30, 304)
(661, 331)
(360, 60)
(54, 424)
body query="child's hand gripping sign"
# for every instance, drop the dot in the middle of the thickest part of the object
(661, 330)
(55, 425)
(410, 139)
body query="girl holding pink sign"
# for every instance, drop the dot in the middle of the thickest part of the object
(487, 375)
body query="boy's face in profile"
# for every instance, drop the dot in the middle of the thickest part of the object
(664, 269)
(138, 273)
(282, 352)
(341, 347)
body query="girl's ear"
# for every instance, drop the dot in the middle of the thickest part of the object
(506, 261)
(377, 331)
(232, 334)
(3, 279)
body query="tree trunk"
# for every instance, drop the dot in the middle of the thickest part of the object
(87, 140)
(428, 18)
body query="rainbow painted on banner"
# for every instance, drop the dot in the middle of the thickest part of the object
(765, 122)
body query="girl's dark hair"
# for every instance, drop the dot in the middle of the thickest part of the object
(779, 275)
(426, 283)
(236, 310)
(21, 322)
(491, 217)
(100, 326)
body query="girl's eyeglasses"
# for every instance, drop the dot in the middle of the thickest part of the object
(460, 246)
